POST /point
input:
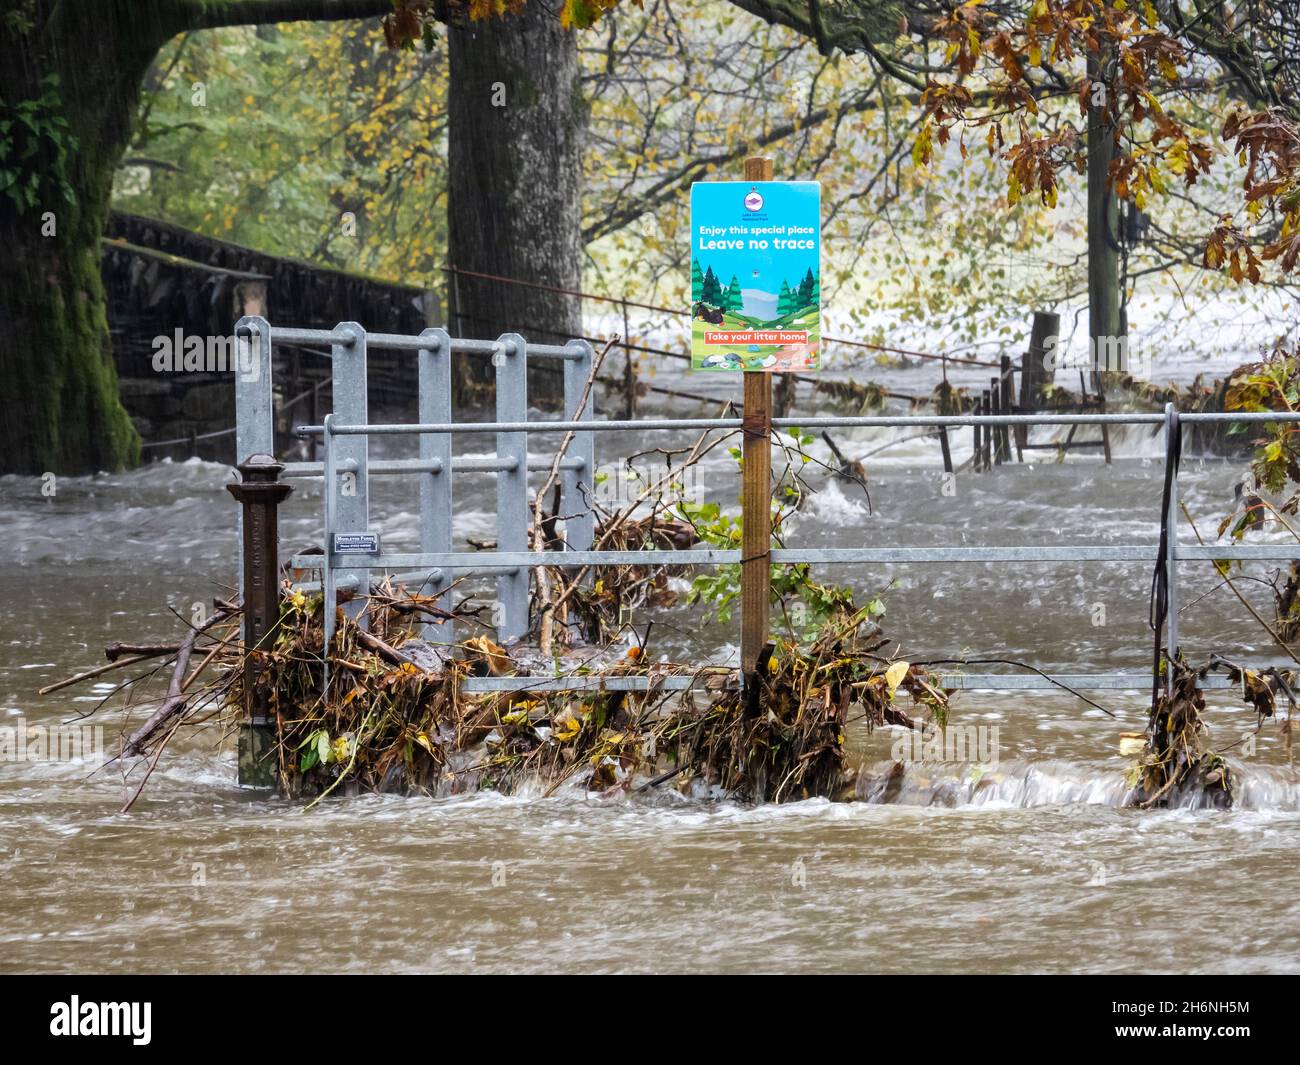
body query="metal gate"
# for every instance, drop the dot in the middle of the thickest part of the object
(346, 431)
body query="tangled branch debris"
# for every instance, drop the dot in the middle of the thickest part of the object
(1176, 766)
(396, 717)
(414, 730)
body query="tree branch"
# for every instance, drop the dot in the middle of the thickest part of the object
(213, 14)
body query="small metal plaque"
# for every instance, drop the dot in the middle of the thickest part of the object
(356, 543)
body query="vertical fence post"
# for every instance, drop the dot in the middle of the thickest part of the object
(436, 488)
(1173, 452)
(629, 372)
(578, 486)
(945, 448)
(1004, 431)
(986, 432)
(328, 576)
(259, 493)
(995, 407)
(949, 404)
(511, 362)
(1008, 407)
(254, 416)
(254, 405)
(755, 504)
(352, 498)
(989, 444)
(314, 419)
(456, 318)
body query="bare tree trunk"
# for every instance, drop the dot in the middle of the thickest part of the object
(517, 125)
(1104, 326)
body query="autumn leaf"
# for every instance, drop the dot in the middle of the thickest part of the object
(894, 675)
(566, 726)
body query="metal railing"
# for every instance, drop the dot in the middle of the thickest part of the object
(346, 466)
(346, 430)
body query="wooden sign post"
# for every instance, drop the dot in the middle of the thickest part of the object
(755, 500)
(764, 235)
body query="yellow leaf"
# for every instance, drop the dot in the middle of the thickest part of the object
(566, 727)
(894, 675)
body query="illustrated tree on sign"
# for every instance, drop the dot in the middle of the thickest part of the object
(697, 282)
(786, 302)
(712, 289)
(806, 287)
(733, 300)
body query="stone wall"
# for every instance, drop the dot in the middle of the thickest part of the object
(167, 284)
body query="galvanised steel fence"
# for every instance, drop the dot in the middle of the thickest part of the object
(352, 549)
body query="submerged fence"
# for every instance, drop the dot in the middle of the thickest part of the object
(353, 549)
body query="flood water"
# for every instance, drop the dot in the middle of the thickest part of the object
(1037, 870)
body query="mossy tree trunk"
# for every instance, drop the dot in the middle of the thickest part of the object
(70, 77)
(68, 90)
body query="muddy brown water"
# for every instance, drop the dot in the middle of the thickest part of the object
(1038, 869)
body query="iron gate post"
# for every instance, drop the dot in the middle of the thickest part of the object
(436, 487)
(511, 361)
(328, 576)
(254, 402)
(577, 493)
(1173, 431)
(260, 493)
(352, 499)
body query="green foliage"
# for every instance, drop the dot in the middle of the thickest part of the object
(21, 20)
(1271, 385)
(273, 138)
(35, 144)
(317, 752)
(805, 605)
